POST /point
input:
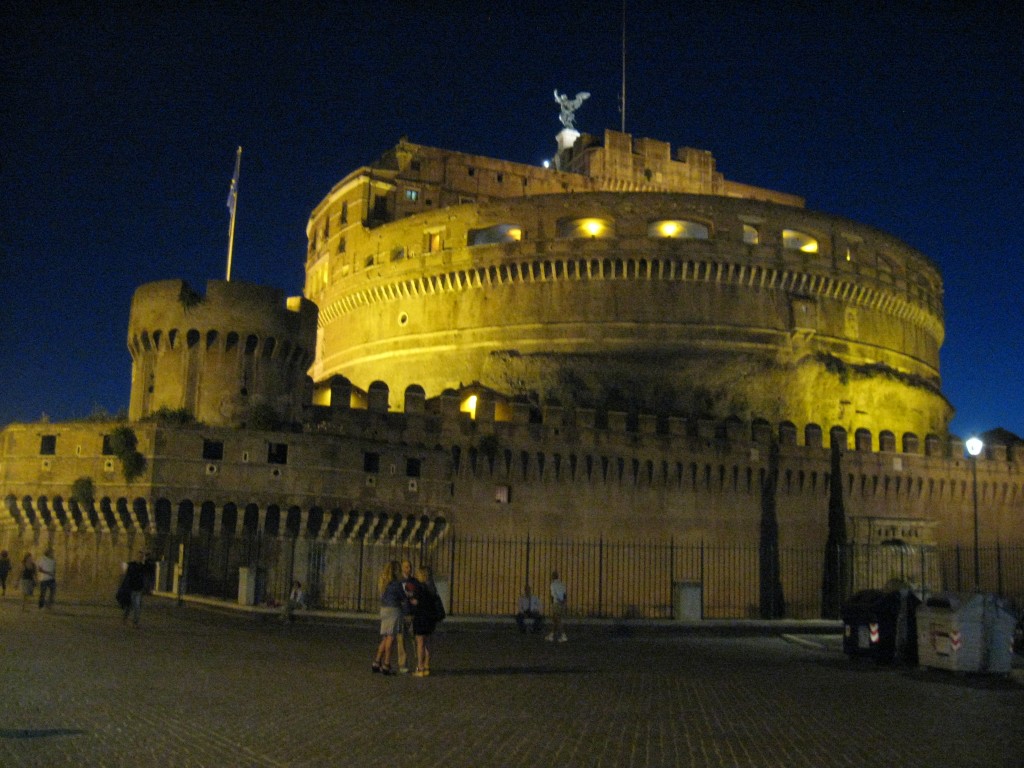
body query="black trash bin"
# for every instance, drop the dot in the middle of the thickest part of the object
(870, 620)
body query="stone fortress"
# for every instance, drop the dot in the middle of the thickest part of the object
(619, 346)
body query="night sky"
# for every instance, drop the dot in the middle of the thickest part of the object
(118, 130)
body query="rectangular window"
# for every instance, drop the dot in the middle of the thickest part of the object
(343, 216)
(213, 450)
(502, 494)
(412, 467)
(341, 245)
(277, 453)
(432, 242)
(48, 445)
(371, 462)
(108, 449)
(412, 195)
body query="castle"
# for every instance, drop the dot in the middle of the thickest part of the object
(624, 346)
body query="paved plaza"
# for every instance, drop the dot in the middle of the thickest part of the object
(196, 687)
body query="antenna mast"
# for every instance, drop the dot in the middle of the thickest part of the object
(233, 207)
(622, 95)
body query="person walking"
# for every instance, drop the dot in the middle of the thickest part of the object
(409, 587)
(134, 585)
(5, 570)
(296, 601)
(558, 597)
(426, 612)
(389, 584)
(28, 579)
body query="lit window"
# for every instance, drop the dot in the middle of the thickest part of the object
(677, 228)
(469, 406)
(412, 195)
(499, 233)
(792, 240)
(432, 242)
(588, 227)
(750, 236)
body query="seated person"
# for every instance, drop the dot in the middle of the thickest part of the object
(296, 601)
(529, 608)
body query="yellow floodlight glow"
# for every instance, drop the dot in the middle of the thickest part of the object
(669, 228)
(592, 227)
(515, 234)
(469, 406)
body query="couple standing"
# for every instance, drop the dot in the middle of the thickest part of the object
(409, 608)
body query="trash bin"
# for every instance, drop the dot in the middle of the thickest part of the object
(966, 632)
(869, 624)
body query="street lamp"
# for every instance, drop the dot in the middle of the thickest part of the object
(974, 447)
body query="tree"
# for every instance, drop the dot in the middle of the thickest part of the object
(835, 545)
(772, 598)
(124, 445)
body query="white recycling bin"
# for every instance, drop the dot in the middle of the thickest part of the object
(965, 632)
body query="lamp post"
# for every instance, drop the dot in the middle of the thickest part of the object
(974, 447)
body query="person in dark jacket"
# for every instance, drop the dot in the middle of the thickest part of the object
(133, 585)
(426, 612)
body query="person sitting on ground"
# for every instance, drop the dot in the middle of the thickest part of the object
(529, 608)
(296, 601)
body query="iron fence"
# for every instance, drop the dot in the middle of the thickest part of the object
(485, 575)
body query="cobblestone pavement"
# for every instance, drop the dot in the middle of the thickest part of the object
(199, 688)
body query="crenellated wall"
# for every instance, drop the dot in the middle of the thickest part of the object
(494, 467)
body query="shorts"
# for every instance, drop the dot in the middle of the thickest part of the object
(390, 620)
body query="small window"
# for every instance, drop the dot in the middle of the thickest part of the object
(502, 494)
(48, 445)
(412, 467)
(213, 450)
(412, 195)
(371, 462)
(432, 242)
(501, 178)
(750, 234)
(107, 449)
(792, 240)
(677, 228)
(341, 245)
(277, 453)
(343, 216)
(398, 253)
(471, 171)
(587, 227)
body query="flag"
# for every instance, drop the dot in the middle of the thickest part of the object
(233, 191)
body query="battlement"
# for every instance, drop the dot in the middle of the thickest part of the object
(487, 412)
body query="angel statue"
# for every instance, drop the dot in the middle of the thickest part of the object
(569, 106)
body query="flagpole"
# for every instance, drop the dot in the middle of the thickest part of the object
(233, 206)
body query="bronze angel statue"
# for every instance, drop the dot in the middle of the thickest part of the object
(569, 106)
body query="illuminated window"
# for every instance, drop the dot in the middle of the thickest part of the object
(588, 227)
(412, 195)
(677, 228)
(469, 406)
(750, 235)
(432, 242)
(499, 233)
(792, 240)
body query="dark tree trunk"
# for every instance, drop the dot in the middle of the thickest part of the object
(835, 546)
(773, 601)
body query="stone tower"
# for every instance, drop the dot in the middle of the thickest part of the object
(236, 356)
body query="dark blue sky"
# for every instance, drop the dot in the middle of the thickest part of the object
(118, 129)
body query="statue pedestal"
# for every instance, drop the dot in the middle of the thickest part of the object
(565, 139)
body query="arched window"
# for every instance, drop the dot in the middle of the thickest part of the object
(678, 228)
(750, 234)
(499, 233)
(793, 240)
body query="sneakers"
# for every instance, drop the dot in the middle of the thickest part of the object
(403, 670)
(562, 638)
(550, 637)
(421, 673)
